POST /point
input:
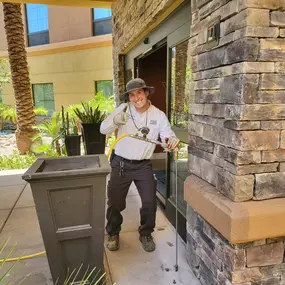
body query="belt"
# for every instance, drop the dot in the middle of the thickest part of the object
(133, 161)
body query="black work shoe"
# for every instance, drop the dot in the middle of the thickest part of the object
(113, 243)
(147, 243)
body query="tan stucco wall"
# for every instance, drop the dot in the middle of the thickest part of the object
(65, 24)
(73, 73)
(69, 23)
(3, 42)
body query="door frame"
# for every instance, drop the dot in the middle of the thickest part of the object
(180, 35)
(175, 29)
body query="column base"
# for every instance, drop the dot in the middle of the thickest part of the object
(234, 243)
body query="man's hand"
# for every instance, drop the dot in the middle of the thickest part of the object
(172, 142)
(121, 118)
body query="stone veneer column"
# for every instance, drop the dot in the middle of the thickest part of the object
(237, 144)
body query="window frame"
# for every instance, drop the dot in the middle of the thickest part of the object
(27, 27)
(33, 93)
(98, 21)
(96, 86)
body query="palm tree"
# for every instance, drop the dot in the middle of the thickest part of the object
(20, 75)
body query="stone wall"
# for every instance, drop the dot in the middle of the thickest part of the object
(237, 114)
(237, 131)
(130, 19)
(217, 262)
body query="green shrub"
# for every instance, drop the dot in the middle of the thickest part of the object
(16, 161)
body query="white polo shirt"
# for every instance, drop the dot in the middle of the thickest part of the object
(131, 148)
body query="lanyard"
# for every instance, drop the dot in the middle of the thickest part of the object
(144, 130)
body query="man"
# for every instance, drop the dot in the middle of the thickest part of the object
(131, 160)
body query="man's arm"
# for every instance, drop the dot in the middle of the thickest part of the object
(108, 126)
(166, 134)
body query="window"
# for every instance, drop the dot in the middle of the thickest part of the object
(102, 21)
(37, 24)
(44, 97)
(106, 86)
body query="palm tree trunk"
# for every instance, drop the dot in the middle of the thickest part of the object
(20, 75)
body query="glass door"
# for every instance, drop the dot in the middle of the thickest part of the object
(179, 99)
(179, 116)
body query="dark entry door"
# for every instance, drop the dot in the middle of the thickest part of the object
(152, 67)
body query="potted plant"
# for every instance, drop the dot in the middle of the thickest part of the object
(91, 118)
(71, 136)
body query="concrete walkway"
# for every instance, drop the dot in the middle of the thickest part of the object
(131, 265)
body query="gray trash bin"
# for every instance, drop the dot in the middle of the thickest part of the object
(69, 195)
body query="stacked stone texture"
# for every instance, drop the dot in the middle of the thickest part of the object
(237, 135)
(237, 131)
(217, 262)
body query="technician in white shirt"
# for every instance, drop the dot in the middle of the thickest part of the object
(130, 161)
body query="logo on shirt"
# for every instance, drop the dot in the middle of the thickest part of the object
(153, 122)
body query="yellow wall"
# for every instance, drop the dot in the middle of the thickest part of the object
(73, 73)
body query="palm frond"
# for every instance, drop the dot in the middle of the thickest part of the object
(87, 276)
(5, 275)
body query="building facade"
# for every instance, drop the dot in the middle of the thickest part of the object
(69, 52)
(218, 67)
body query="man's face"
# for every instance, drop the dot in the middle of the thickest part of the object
(138, 98)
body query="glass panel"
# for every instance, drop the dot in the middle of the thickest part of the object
(106, 86)
(101, 13)
(182, 173)
(44, 97)
(38, 92)
(103, 27)
(49, 105)
(48, 92)
(36, 39)
(180, 85)
(37, 17)
(37, 20)
(39, 104)
(179, 116)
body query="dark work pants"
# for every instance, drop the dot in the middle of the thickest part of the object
(118, 186)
